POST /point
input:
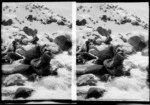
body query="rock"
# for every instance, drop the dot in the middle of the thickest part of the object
(7, 23)
(30, 18)
(87, 79)
(30, 31)
(81, 22)
(24, 41)
(108, 40)
(138, 43)
(64, 42)
(23, 92)
(87, 68)
(14, 68)
(105, 77)
(103, 52)
(60, 23)
(14, 79)
(145, 52)
(32, 77)
(42, 65)
(127, 48)
(30, 52)
(95, 93)
(104, 18)
(99, 41)
(114, 66)
(54, 48)
(103, 31)
(34, 40)
(84, 56)
(135, 23)
(11, 56)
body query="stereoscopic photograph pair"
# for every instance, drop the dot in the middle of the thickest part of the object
(110, 54)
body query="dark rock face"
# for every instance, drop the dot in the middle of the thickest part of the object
(23, 92)
(138, 43)
(64, 42)
(95, 93)
(14, 79)
(7, 23)
(81, 22)
(87, 79)
(30, 31)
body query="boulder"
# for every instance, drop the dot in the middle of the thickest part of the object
(14, 68)
(87, 79)
(103, 31)
(81, 22)
(12, 56)
(115, 65)
(53, 47)
(64, 42)
(32, 77)
(105, 77)
(95, 93)
(14, 79)
(89, 68)
(30, 52)
(138, 43)
(7, 23)
(23, 92)
(103, 52)
(29, 31)
(42, 65)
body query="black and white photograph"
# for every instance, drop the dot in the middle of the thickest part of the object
(70, 52)
(112, 48)
(36, 50)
